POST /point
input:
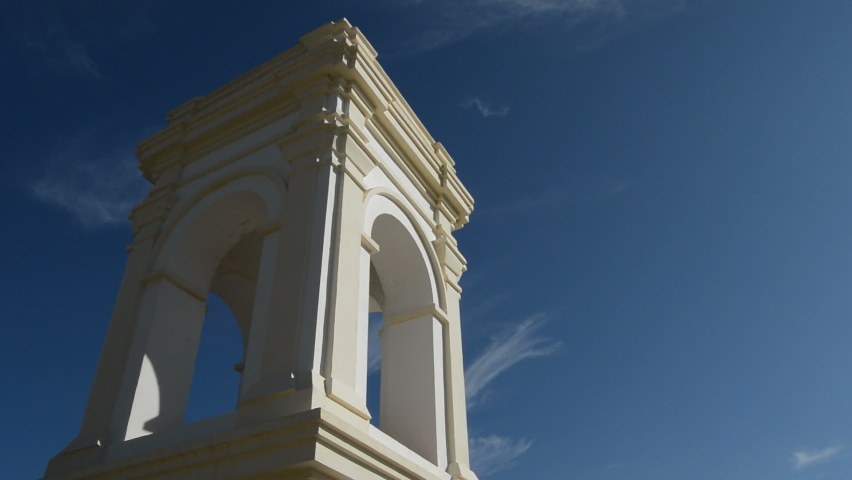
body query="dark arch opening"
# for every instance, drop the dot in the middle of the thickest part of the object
(220, 359)
(215, 380)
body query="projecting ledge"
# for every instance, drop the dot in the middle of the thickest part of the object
(311, 439)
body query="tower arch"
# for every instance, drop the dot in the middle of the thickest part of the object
(412, 363)
(213, 245)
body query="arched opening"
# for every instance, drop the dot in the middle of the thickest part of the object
(411, 378)
(211, 258)
(220, 360)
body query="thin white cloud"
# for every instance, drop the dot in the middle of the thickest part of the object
(464, 18)
(505, 351)
(495, 453)
(41, 31)
(98, 189)
(805, 458)
(95, 194)
(451, 21)
(74, 57)
(484, 109)
(57, 40)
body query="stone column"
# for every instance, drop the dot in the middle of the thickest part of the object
(171, 318)
(272, 336)
(346, 355)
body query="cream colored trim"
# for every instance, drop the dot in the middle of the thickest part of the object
(354, 175)
(415, 180)
(435, 263)
(176, 280)
(369, 244)
(453, 284)
(346, 396)
(184, 208)
(270, 227)
(269, 92)
(431, 309)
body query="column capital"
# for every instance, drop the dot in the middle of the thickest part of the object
(415, 313)
(176, 280)
(369, 244)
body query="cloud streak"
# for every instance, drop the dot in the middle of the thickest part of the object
(460, 19)
(484, 109)
(805, 458)
(58, 37)
(97, 189)
(521, 343)
(96, 194)
(494, 453)
(42, 31)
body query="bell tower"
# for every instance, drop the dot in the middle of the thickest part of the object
(305, 194)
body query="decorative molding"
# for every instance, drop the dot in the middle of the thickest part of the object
(369, 244)
(335, 60)
(269, 227)
(176, 280)
(347, 397)
(415, 313)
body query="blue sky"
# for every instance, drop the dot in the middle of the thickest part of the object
(660, 256)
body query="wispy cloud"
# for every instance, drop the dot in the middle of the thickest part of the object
(58, 37)
(484, 109)
(42, 31)
(75, 56)
(98, 189)
(804, 458)
(521, 343)
(459, 19)
(494, 453)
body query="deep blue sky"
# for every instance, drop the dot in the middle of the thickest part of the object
(660, 281)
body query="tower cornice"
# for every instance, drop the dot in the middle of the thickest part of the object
(335, 56)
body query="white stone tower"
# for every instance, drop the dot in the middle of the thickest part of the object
(305, 194)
